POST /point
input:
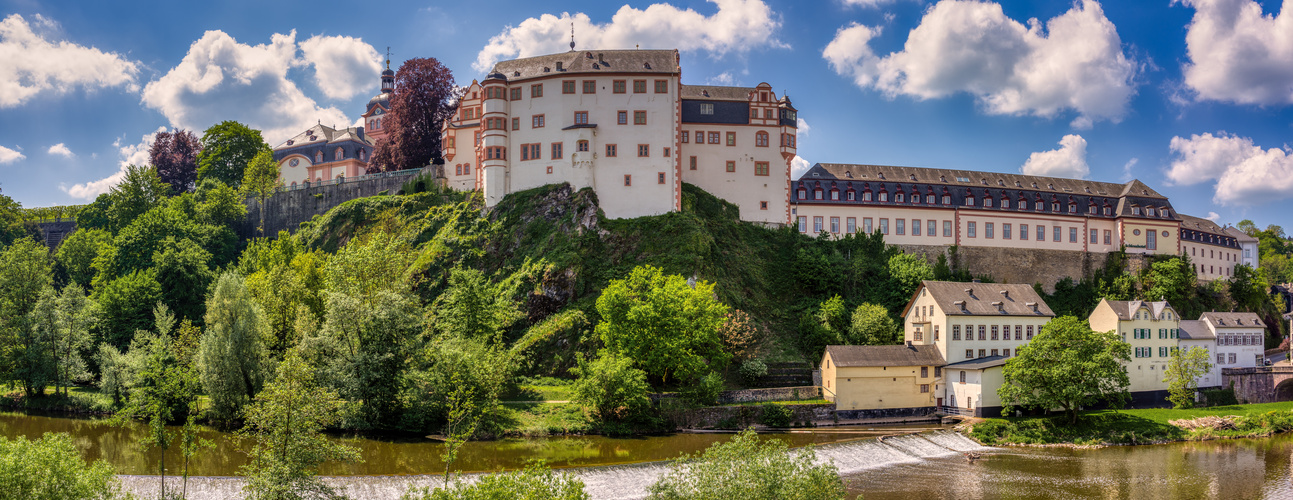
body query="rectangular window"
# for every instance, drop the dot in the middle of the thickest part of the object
(639, 86)
(987, 229)
(915, 227)
(644, 150)
(835, 225)
(933, 228)
(731, 138)
(866, 225)
(516, 123)
(536, 121)
(662, 86)
(686, 137)
(1005, 231)
(760, 168)
(731, 166)
(628, 180)
(668, 152)
(660, 178)
(1019, 332)
(851, 224)
(983, 353)
(639, 117)
(994, 352)
(884, 226)
(969, 354)
(900, 226)
(557, 152)
(536, 90)
(983, 332)
(1057, 233)
(817, 225)
(693, 163)
(713, 137)
(1041, 232)
(956, 332)
(995, 334)
(1029, 332)
(581, 118)
(1005, 352)
(924, 372)
(622, 117)
(590, 86)
(947, 229)
(611, 150)
(1073, 235)
(1023, 231)
(969, 229)
(567, 86)
(706, 108)
(1095, 236)
(516, 94)
(619, 87)
(803, 224)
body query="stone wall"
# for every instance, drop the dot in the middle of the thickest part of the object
(745, 416)
(288, 209)
(917, 413)
(53, 232)
(1017, 265)
(771, 394)
(1257, 385)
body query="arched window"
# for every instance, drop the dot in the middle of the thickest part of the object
(340, 154)
(761, 139)
(318, 157)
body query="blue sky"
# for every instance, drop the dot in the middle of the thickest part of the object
(1191, 96)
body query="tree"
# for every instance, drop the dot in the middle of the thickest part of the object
(1182, 375)
(471, 308)
(423, 99)
(610, 388)
(741, 335)
(1067, 366)
(1248, 227)
(906, 272)
(1173, 280)
(749, 467)
(827, 324)
(175, 156)
(1248, 288)
(65, 321)
(231, 358)
(375, 340)
(665, 325)
(138, 192)
(183, 275)
(25, 275)
(227, 149)
(286, 280)
(77, 253)
(286, 423)
(260, 180)
(51, 468)
(218, 204)
(11, 225)
(535, 482)
(126, 305)
(872, 325)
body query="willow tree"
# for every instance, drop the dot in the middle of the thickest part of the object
(231, 357)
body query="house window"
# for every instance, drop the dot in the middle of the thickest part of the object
(1005, 352)
(707, 108)
(536, 121)
(851, 196)
(622, 117)
(567, 86)
(549, 169)
(536, 90)
(947, 229)
(668, 152)
(686, 136)
(923, 387)
(1041, 233)
(340, 154)
(969, 229)
(618, 86)
(660, 178)
(987, 202)
(529, 152)
(731, 167)
(1073, 235)
(713, 137)
(761, 168)
(1005, 231)
(1029, 332)
(516, 94)
(803, 224)
(516, 123)
(969, 201)
(987, 230)
(850, 224)
(731, 138)
(969, 354)
(956, 332)
(866, 225)
(639, 117)
(496, 153)
(915, 227)
(662, 86)
(693, 167)
(884, 226)
(1019, 332)
(947, 199)
(644, 150)
(835, 225)
(639, 86)
(898, 198)
(581, 118)
(590, 87)
(866, 196)
(994, 352)
(933, 228)
(763, 205)
(611, 150)
(557, 150)
(900, 226)
(884, 196)
(761, 139)
(628, 180)
(1095, 236)
(994, 333)
(983, 353)
(817, 225)
(581, 146)
(817, 193)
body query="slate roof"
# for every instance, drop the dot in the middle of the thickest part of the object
(1193, 329)
(1201, 224)
(985, 299)
(885, 355)
(1233, 319)
(979, 363)
(942, 176)
(662, 62)
(718, 93)
(1240, 235)
(1126, 309)
(324, 134)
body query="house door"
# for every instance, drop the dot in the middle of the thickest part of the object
(940, 402)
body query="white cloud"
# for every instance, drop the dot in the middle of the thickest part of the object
(866, 3)
(343, 66)
(737, 26)
(33, 63)
(724, 78)
(1126, 169)
(131, 154)
(221, 79)
(1245, 173)
(801, 125)
(1237, 54)
(9, 155)
(1075, 62)
(1067, 161)
(798, 166)
(61, 150)
(1213, 216)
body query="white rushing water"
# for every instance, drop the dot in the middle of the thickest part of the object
(615, 482)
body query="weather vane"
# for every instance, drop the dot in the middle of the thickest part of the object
(388, 57)
(572, 36)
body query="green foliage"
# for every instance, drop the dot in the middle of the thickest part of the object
(183, 275)
(470, 370)
(25, 276)
(286, 423)
(1173, 280)
(775, 415)
(227, 148)
(906, 272)
(63, 322)
(872, 325)
(827, 324)
(218, 204)
(610, 388)
(472, 308)
(752, 371)
(1066, 366)
(260, 180)
(665, 325)
(1182, 375)
(374, 342)
(51, 468)
(232, 359)
(535, 482)
(748, 468)
(138, 192)
(126, 304)
(704, 391)
(11, 221)
(1220, 397)
(287, 281)
(78, 251)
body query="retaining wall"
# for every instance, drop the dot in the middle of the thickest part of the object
(920, 412)
(745, 416)
(286, 210)
(1022, 265)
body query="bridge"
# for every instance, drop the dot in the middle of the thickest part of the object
(1262, 384)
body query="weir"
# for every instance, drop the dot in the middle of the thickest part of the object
(616, 482)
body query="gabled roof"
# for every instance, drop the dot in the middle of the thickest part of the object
(884, 355)
(979, 363)
(1240, 235)
(1126, 309)
(1232, 320)
(1201, 224)
(321, 133)
(1193, 329)
(984, 299)
(589, 62)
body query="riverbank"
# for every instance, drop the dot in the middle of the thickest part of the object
(1137, 426)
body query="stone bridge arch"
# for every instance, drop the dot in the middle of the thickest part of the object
(1263, 384)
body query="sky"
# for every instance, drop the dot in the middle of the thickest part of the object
(1193, 97)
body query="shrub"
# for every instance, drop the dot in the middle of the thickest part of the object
(775, 415)
(705, 391)
(610, 388)
(51, 468)
(1220, 397)
(752, 371)
(747, 467)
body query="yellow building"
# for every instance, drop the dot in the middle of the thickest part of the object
(1153, 330)
(882, 381)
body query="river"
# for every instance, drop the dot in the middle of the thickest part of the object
(928, 465)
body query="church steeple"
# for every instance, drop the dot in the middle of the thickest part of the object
(388, 76)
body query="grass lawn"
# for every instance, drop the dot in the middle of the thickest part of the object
(1139, 426)
(79, 400)
(543, 419)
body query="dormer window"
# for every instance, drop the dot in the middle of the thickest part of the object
(929, 198)
(318, 157)
(912, 177)
(866, 196)
(835, 195)
(803, 194)
(1108, 210)
(1023, 204)
(1166, 213)
(340, 154)
(817, 194)
(1149, 211)
(969, 201)
(1072, 207)
(1135, 210)
(1039, 205)
(884, 196)
(947, 199)
(898, 197)
(852, 196)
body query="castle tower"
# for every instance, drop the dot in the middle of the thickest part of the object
(380, 105)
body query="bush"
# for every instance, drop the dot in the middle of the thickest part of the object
(775, 415)
(51, 468)
(1220, 397)
(536, 482)
(752, 371)
(610, 388)
(705, 391)
(747, 467)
